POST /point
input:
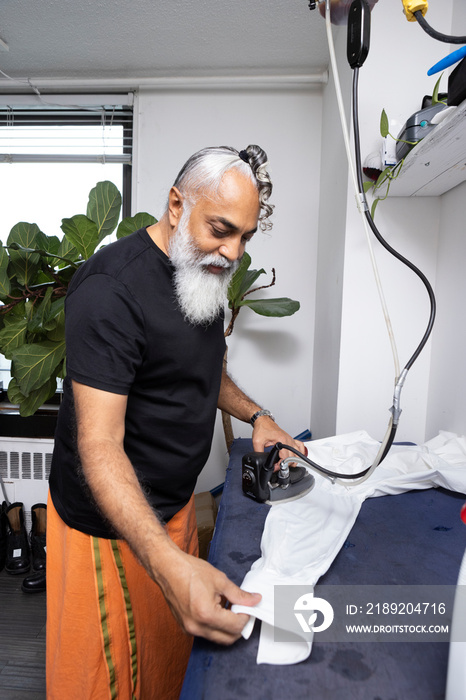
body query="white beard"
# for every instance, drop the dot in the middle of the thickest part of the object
(200, 293)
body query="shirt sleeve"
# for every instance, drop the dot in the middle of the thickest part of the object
(105, 339)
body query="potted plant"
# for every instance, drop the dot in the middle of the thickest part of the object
(35, 271)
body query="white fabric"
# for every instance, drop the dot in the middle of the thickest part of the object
(302, 538)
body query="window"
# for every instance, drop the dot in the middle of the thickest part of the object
(53, 151)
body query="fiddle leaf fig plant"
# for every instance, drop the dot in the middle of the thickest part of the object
(241, 286)
(35, 271)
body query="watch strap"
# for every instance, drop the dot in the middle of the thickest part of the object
(258, 414)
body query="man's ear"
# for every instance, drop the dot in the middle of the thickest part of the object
(175, 206)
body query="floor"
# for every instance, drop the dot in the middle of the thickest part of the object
(22, 641)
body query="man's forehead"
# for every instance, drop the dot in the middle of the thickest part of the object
(236, 198)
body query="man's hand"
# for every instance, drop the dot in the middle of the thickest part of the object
(197, 594)
(266, 433)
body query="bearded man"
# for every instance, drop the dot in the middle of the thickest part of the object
(145, 345)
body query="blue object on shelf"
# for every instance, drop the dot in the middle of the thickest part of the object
(448, 60)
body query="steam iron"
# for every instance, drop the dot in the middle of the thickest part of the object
(261, 483)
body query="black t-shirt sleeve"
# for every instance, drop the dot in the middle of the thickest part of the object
(104, 334)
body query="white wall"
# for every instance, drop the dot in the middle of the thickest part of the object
(447, 395)
(270, 358)
(447, 404)
(330, 261)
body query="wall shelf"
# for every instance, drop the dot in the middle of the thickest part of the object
(438, 162)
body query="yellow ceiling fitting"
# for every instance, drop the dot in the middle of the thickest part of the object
(412, 6)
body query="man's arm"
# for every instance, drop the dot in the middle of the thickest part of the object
(265, 431)
(194, 589)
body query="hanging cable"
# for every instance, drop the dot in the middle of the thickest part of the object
(377, 233)
(421, 20)
(364, 209)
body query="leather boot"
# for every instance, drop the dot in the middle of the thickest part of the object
(17, 554)
(35, 583)
(2, 535)
(38, 536)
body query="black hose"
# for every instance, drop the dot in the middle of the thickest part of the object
(434, 33)
(377, 233)
(322, 470)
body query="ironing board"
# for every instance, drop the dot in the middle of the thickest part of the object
(417, 536)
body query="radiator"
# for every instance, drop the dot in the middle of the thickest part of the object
(25, 468)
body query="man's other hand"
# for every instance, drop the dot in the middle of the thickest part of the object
(199, 596)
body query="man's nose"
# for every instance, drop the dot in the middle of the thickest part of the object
(232, 250)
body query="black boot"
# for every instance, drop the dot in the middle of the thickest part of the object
(17, 555)
(35, 583)
(38, 536)
(3, 538)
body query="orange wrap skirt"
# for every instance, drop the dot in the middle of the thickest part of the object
(110, 633)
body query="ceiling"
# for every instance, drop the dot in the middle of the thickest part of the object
(118, 39)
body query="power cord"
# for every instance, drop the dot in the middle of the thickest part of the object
(421, 20)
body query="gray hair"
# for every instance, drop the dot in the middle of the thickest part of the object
(205, 169)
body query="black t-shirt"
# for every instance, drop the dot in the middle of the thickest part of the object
(126, 334)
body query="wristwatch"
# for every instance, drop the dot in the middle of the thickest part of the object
(258, 414)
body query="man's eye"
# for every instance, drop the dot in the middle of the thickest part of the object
(218, 233)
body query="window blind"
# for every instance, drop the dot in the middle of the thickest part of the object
(66, 128)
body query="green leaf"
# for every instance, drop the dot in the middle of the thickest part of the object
(384, 125)
(67, 250)
(435, 99)
(28, 405)
(374, 206)
(39, 319)
(272, 307)
(57, 333)
(133, 223)
(13, 335)
(51, 245)
(24, 263)
(18, 310)
(4, 277)
(236, 282)
(34, 364)
(82, 232)
(43, 278)
(368, 185)
(104, 208)
(248, 280)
